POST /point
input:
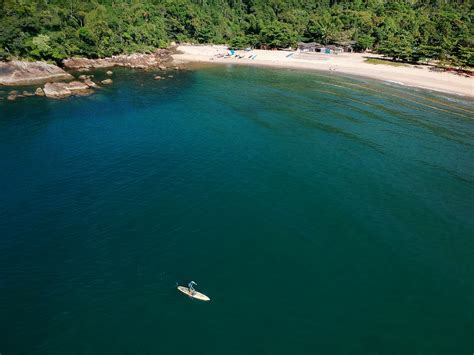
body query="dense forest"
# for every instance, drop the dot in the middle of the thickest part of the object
(406, 30)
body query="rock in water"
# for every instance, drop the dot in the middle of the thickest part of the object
(27, 93)
(11, 97)
(56, 91)
(109, 72)
(158, 77)
(61, 90)
(25, 73)
(107, 81)
(39, 92)
(90, 83)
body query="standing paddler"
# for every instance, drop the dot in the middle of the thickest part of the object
(191, 288)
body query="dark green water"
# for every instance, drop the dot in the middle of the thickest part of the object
(322, 215)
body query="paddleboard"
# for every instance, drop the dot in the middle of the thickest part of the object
(197, 295)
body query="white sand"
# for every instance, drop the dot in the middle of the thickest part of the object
(347, 63)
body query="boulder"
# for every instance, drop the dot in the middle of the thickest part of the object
(109, 72)
(61, 90)
(28, 93)
(158, 77)
(11, 97)
(90, 83)
(29, 73)
(56, 91)
(170, 76)
(83, 77)
(107, 81)
(39, 92)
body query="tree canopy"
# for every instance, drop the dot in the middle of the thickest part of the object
(404, 29)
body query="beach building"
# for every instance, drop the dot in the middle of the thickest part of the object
(347, 46)
(314, 47)
(310, 47)
(332, 49)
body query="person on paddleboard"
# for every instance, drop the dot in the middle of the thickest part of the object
(191, 288)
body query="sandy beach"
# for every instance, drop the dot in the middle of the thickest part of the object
(347, 63)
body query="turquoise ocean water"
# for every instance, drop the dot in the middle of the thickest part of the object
(322, 215)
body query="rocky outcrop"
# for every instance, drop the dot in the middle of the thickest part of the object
(30, 73)
(62, 90)
(161, 58)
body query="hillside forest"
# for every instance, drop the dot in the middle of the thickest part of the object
(407, 30)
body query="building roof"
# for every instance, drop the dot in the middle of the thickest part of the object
(309, 45)
(333, 47)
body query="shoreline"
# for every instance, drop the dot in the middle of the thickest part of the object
(345, 63)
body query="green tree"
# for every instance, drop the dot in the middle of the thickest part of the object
(278, 35)
(364, 42)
